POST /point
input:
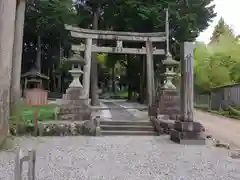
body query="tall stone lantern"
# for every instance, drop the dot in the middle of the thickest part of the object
(169, 99)
(75, 106)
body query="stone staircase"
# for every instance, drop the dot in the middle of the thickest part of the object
(131, 128)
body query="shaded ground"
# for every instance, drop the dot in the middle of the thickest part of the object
(123, 158)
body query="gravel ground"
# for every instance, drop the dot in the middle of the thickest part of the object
(122, 158)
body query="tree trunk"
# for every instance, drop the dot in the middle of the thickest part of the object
(39, 53)
(7, 27)
(94, 69)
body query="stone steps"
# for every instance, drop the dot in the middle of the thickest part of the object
(124, 122)
(128, 133)
(130, 128)
(126, 128)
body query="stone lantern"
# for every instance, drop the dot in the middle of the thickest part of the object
(75, 106)
(170, 73)
(76, 71)
(169, 99)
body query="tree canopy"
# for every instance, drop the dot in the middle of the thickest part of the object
(218, 63)
(222, 29)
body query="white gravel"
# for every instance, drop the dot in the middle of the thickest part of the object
(123, 158)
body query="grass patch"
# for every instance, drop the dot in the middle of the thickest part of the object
(45, 112)
(229, 112)
(22, 120)
(123, 94)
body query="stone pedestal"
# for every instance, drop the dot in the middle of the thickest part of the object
(169, 102)
(74, 106)
(187, 132)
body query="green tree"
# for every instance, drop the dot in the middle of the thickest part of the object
(218, 63)
(222, 29)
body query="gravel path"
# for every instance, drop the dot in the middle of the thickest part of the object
(119, 113)
(123, 158)
(223, 128)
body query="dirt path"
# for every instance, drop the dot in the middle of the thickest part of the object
(222, 128)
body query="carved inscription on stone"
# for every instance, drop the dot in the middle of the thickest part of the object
(169, 102)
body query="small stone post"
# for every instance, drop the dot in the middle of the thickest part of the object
(186, 130)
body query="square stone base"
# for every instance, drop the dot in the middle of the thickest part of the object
(168, 102)
(187, 138)
(188, 126)
(74, 106)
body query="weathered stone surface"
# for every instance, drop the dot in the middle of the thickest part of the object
(152, 110)
(74, 106)
(89, 127)
(60, 129)
(195, 138)
(156, 124)
(166, 125)
(187, 126)
(162, 126)
(169, 102)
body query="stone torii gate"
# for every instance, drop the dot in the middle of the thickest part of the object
(185, 130)
(119, 37)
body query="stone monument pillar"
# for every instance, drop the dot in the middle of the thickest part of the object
(74, 104)
(186, 130)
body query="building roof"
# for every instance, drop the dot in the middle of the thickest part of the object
(34, 72)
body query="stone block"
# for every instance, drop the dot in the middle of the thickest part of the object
(187, 138)
(169, 102)
(60, 129)
(152, 111)
(188, 126)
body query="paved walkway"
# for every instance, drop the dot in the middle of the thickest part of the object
(118, 112)
(222, 128)
(122, 158)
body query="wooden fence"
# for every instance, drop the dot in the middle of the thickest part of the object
(35, 97)
(220, 97)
